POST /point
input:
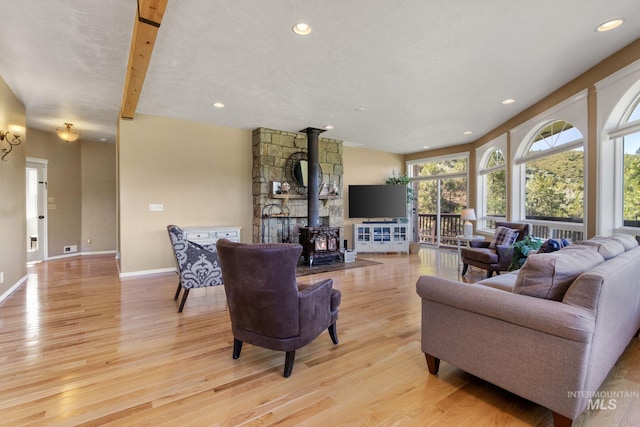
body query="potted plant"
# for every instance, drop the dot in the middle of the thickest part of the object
(521, 250)
(401, 180)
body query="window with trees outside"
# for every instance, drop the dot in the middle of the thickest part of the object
(440, 189)
(554, 181)
(494, 184)
(631, 169)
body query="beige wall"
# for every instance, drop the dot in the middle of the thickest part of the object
(363, 166)
(13, 242)
(64, 188)
(200, 173)
(98, 171)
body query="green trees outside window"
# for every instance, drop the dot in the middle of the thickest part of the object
(495, 184)
(631, 162)
(554, 185)
(453, 190)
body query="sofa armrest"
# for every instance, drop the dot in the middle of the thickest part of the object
(551, 317)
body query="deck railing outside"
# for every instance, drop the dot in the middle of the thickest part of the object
(451, 225)
(552, 230)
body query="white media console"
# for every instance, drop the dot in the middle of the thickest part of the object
(381, 237)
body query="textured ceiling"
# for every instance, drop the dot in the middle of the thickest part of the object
(389, 75)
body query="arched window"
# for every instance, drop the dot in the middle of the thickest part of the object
(617, 152)
(493, 188)
(629, 139)
(554, 174)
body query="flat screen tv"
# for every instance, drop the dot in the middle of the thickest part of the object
(377, 201)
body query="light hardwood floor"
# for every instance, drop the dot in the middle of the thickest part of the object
(78, 346)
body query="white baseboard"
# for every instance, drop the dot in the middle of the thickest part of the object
(13, 288)
(148, 272)
(99, 252)
(79, 254)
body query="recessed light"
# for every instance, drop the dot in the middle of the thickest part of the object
(328, 127)
(508, 101)
(302, 29)
(218, 104)
(609, 25)
(425, 147)
(103, 139)
(468, 132)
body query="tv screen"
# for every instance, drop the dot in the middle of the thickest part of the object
(377, 201)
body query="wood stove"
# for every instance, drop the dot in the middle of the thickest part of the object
(320, 244)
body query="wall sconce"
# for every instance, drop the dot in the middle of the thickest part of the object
(68, 134)
(12, 139)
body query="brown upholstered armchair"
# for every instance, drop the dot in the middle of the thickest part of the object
(267, 306)
(498, 258)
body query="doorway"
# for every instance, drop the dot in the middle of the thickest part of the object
(440, 193)
(440, 202)
(36, 209)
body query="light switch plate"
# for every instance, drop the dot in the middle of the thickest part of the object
(156, 207)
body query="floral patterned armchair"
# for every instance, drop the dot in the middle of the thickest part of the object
(198, 265)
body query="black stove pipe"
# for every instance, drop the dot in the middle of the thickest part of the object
(313, 190)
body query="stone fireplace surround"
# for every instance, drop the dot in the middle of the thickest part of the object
(271, 149)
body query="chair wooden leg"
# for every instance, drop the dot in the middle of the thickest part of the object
(561, 420)
(184, 299)
(237, 348)
(333, 333)
(288, 363)
(433, 363)
(464, 268)
(177, 291)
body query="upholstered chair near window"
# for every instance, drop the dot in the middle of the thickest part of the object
(198, 265)
(267, 306)
(494, 256)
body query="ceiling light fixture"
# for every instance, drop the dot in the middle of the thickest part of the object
(68, 134)
(468, 132)
(508, 101)
(328, 127)
(218, 104)
(12, 140)
(609, 25)
(302, 29)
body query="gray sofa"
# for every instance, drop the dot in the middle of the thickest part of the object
(550, 332)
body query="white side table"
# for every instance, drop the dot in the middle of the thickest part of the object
(460, 238)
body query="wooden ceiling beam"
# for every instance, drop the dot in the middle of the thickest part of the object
(148, 18)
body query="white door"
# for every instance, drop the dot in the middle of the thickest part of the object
(36, 209)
